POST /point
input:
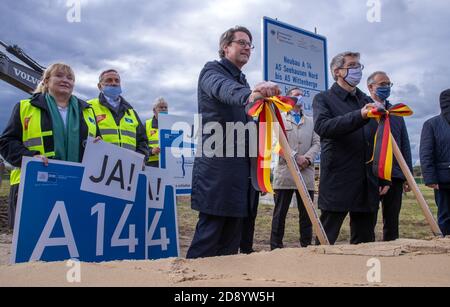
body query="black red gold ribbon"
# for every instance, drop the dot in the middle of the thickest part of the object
(261, 109)
(382, 155)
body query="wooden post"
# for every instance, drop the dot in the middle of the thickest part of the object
(300, 183)
(415, 188)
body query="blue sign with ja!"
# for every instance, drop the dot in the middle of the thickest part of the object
(57, 221)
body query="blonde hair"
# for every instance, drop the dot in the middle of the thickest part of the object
(42, 87)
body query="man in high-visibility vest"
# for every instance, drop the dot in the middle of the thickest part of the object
(151, 127)
(118, 122)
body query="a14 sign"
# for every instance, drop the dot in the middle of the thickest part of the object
(56, 220)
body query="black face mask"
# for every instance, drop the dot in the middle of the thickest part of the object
(445, 104)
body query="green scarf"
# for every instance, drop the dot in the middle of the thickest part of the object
(66, 138)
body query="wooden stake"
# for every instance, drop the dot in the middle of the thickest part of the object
(415, 188)
(300, 183)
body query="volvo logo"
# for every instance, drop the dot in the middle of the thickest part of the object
(25, 76)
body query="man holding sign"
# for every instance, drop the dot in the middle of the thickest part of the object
(119, 123)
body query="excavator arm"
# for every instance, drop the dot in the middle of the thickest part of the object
(23, 77)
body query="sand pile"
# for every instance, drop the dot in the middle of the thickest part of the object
(402, 263)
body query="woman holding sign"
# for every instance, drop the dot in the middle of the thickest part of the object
(52, 123)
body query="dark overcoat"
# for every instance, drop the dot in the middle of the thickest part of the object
(220, 185)
(347, 183)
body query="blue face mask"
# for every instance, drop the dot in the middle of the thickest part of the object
(112, 92)
(383, 92)
(163, 112)
(354, 76)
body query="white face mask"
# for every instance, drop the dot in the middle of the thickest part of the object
(354, 76)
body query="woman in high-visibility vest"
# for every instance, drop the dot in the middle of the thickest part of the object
(52, 123)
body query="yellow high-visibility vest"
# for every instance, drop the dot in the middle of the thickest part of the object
(153, 138)
(123, 135)
(33, 136)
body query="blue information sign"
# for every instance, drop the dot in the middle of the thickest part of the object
(57, 221)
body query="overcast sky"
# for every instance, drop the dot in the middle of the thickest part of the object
(159, 47)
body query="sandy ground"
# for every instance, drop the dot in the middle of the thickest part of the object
(403, 263)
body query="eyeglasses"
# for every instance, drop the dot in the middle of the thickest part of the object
(359, 65)
(385, 84)
(244, 43)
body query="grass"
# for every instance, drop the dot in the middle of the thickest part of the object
(412, 223)
(4, 188)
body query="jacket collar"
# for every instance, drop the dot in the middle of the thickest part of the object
(290, 118)
(154, 122)
(123, 103)
(236, 72)
(38, 100)
(343, 94)
(387, 104)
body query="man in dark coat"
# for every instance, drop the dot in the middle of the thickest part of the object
(347, 183)
(220, 180)
(379, 86)
(435, 160)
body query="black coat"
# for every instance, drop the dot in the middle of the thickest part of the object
(435, 149)
(220, 185)
(347, 183)
(11, 144)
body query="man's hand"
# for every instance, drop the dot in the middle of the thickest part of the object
(43, 158)
(384, 190)
(365, 110)
(255, 95)
(267, 89)
(433, 186)
(156, 150)
(302, 161)
(406, 187)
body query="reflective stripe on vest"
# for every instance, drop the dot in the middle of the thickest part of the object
(33, 136)
(153, 138)
(123, 135)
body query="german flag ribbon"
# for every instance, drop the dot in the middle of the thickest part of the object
(261, 109)
(382, 154)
